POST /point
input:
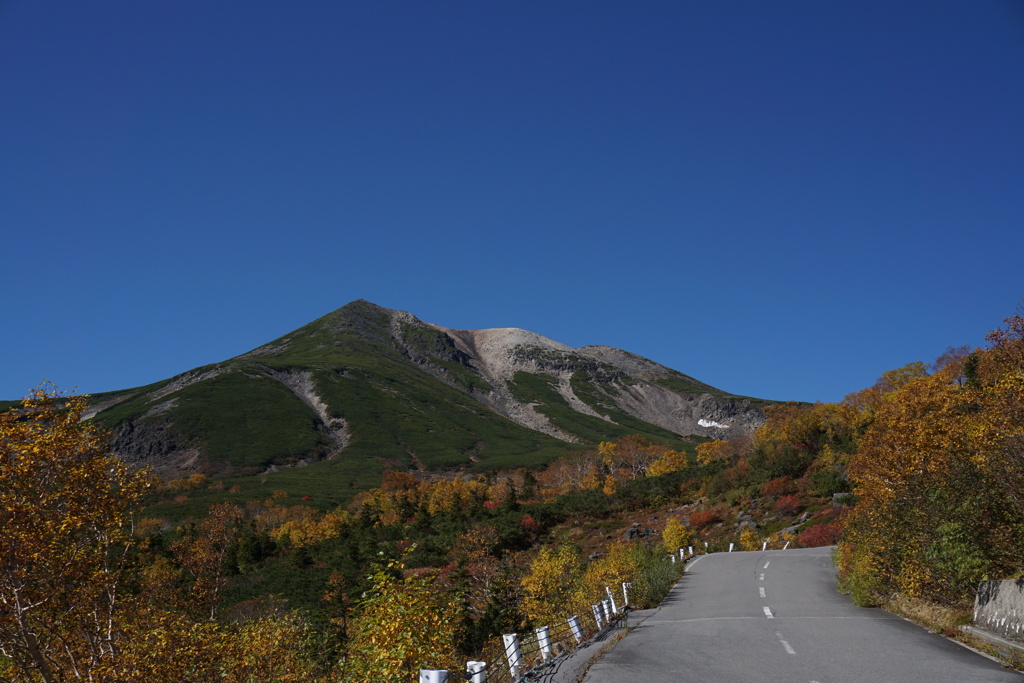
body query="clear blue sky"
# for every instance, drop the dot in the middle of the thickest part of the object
(783, 199)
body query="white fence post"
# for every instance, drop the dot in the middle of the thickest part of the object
(433, 676)
(682, 553)
(764, 546)
(513, 653)
(673, 558)
(705, 546)
(785, 546)
(476, 672)
(598, 615)
(611, 599)
(577, 630)
(625, 593)
(691, 551)
(544, 641)
(730, 547)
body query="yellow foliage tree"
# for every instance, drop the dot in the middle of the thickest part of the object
(675, 536)
(551, 586)
(671, 461)
(405, 624)
(617, 566)
(749, 540)
(65, 510)
(713, 451)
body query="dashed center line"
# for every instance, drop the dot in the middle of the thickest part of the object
(762, 578)
(789, 648)
(768, 612)
(761, 591)
(767, 563)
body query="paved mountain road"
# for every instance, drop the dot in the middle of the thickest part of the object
(777, 616)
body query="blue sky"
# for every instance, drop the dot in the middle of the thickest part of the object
(782, 199)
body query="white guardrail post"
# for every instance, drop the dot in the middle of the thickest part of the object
(577, 630)
(544, 642)
(625, 593)
(611, 599)
(598, 615)
(730, 547)
(433, 676)
(513, 653)
(476, 672)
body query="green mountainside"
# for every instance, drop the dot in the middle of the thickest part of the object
(323, 411)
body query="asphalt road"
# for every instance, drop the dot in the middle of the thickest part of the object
(777, 616)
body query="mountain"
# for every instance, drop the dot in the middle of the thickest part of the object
(365, 388)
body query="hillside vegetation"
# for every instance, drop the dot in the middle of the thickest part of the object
(917, 478)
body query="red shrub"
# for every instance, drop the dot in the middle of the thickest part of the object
(789, 505)
(528, 523)
(777, 487)
(703, 518)
(819, 535)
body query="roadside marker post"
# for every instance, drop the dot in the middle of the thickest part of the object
(577, 630)
(513, 653)
(476, 672)
(544, 641)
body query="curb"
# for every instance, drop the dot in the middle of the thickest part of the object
(1006, 645)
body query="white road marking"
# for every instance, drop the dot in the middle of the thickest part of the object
(768, 612)
(762, 578)
(767, 563)
(789, 648)
(761, 590)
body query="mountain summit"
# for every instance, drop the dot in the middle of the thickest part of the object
(366, 384)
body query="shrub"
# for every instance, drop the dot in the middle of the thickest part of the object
(829, 482)
(777, 487)
(703, 518)
(819, 535)
(788, 505)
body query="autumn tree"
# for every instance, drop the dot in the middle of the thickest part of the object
(675, 536)
(551, 586)
(404, 624)
(66, 508)
(938, 476)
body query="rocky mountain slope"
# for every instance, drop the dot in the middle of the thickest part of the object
(366, 384)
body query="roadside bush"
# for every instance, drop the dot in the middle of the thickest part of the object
(819, 535)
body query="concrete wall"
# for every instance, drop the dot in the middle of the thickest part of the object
(999, 608)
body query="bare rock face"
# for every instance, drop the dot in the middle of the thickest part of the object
(148, 443)
(629, 380)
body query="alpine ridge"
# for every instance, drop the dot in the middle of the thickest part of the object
(366, 387)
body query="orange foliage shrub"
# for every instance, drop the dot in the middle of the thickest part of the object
(788, 505)
(777, 487)
(703, 518)
(819, 535)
